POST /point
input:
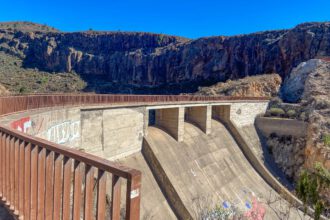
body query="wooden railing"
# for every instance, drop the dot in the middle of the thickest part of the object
(43, 180)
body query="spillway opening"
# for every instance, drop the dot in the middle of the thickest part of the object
(151, 117)
(221, 112)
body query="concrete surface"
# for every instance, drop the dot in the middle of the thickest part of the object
(212, 167)
(201, 117)
(153, 203)
(112, 133)
(281, 126)
(172, 120)
(59, 125)
(257, 143)
(243, 114)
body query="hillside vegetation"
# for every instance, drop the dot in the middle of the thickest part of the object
(26, 26)
(18, 80)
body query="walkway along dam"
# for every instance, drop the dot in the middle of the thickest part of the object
(134, 157)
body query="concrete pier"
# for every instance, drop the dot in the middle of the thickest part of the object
(221, 112)
(171, 120)
(201, 117)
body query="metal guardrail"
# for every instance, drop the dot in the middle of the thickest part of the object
(22, 103)
(43, 180)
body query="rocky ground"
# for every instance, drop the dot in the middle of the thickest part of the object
(288, 153)
(252, 86)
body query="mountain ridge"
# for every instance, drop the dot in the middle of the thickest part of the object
(153, 60)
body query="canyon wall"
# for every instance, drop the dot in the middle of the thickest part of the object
(146, 59)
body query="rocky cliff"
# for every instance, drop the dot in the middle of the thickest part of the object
(267, 85)
(308, 86)
(146, 59)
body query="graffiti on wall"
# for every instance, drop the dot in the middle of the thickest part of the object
(63, 132)
(247, 204)
(22, 125)
(60, 132)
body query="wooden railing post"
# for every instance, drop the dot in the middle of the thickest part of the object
(27, 181)
(7, 168)
(16, 167)
(89, 186)
(67, 175)
(49, 194)
(101, 195)
(41, 183)
(58, 186)
(34, 183)
(78, 169)
(21, 178)
(12, 172)
(115, 201)
(133, 196)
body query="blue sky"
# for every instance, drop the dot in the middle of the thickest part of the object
(188, 18)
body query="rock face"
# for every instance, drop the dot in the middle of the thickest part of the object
(153, 59)
(293, 87)
(309, 83)
(288, 153)
(252, 86)
(316, 99)
(3, 90)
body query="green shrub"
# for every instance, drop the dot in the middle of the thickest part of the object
(310, 187)
(22, 89)
(326, 139)
(291, 113)
(303, 116)
(276, 112)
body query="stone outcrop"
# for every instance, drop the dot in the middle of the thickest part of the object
(316, 99)
(252, 86)
(146, 59)
(293, 87)
(309, 84)
(288, 153)
(3, 90)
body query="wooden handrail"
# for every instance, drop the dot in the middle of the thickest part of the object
(75, 154)
(38, 179)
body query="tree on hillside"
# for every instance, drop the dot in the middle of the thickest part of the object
(312, 187)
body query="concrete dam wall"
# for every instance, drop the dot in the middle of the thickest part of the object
(185, 153)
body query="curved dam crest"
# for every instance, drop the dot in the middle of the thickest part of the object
(191, 150)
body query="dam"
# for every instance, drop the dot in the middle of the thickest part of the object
(136, 157)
